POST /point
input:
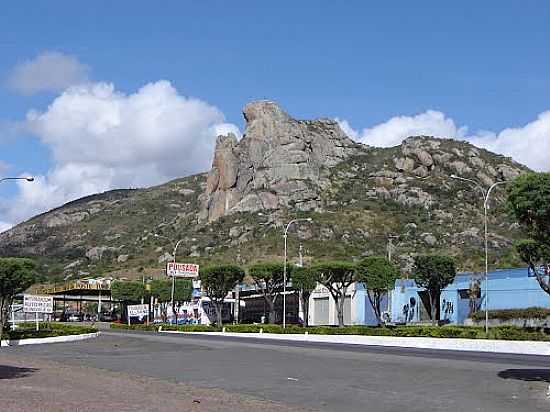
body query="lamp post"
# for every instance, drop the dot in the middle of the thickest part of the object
(174, 260)
(486, 194)
(284, 266)
(28, 179)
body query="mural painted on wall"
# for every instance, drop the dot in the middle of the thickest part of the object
(409, 310)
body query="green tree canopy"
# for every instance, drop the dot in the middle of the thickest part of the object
(161, 290)
(268, 277)
(336, 276)
(434, 273)
(304, 279)
(218, 281)
(378, 275)
(16, 276)
(127, 291)
(529, 202)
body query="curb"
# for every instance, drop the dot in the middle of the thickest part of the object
(454, 344)
(51, 339)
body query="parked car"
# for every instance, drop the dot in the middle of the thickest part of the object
(75, 317)
(106, 317)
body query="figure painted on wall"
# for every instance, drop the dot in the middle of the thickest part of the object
(409, 310)
(406, 312)
(474, 295)
(447, 309)
(412, 302)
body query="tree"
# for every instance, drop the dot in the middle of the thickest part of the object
(434, 273)
(378, 275)
(529, 202)
(127, 292)
(16, 276)
(218, 281)
(161, 290)
(336, 277)
(305, 280)
(183, 291)
(268, 278)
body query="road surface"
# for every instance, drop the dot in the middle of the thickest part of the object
(305, 377)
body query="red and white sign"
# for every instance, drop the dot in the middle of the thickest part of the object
(182, 270)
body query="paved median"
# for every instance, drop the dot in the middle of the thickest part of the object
(473, 345)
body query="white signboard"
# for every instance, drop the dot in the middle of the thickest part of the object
(37, 304)
(182, 270)
(138, 310)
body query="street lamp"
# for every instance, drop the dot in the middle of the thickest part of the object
(486, 194)
(174, 260)
(284, 266)
(28, 179)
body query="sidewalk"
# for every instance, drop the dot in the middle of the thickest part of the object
(474, 345)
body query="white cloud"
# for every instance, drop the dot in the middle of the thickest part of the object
(102, 139)
(3, 167)
(398, 128)
(529, 144)
(48, 72)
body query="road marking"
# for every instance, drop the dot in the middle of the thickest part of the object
(293, 379)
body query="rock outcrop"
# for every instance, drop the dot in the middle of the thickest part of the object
(280, 162)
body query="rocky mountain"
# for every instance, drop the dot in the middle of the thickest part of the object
(279, 163)
(360, 198)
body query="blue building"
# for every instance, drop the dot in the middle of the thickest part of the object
(507, 289)
(407, 303)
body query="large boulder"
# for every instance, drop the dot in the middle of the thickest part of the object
(279, 162)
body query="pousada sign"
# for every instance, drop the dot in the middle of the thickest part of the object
(182, 270)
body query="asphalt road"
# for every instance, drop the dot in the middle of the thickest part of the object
(319, 376)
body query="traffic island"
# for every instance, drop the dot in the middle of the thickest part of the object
(453, 344)
(26, 334)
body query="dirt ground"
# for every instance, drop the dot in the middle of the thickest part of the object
(40, 386)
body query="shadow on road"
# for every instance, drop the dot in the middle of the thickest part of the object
(529, 375)
(14, 372)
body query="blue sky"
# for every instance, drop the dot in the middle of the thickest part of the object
(482, 66)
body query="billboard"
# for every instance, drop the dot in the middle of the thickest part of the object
(182, 270)
(138, 310)
(37, 304)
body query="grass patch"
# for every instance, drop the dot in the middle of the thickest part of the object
(46, 330)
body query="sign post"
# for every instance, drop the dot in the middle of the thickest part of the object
(37, 304)
(138, 311)
(180, 270)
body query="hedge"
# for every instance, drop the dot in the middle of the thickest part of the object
(448, 331)
(47, 330)
(508, 314)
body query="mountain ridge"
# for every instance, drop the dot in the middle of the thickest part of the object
(357, 195)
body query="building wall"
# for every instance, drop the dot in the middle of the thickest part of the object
(508, 289)
(322, 293)
(360, 308)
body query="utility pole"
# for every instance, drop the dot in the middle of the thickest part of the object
(285, 236)
(486, 193)
(390, 245)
